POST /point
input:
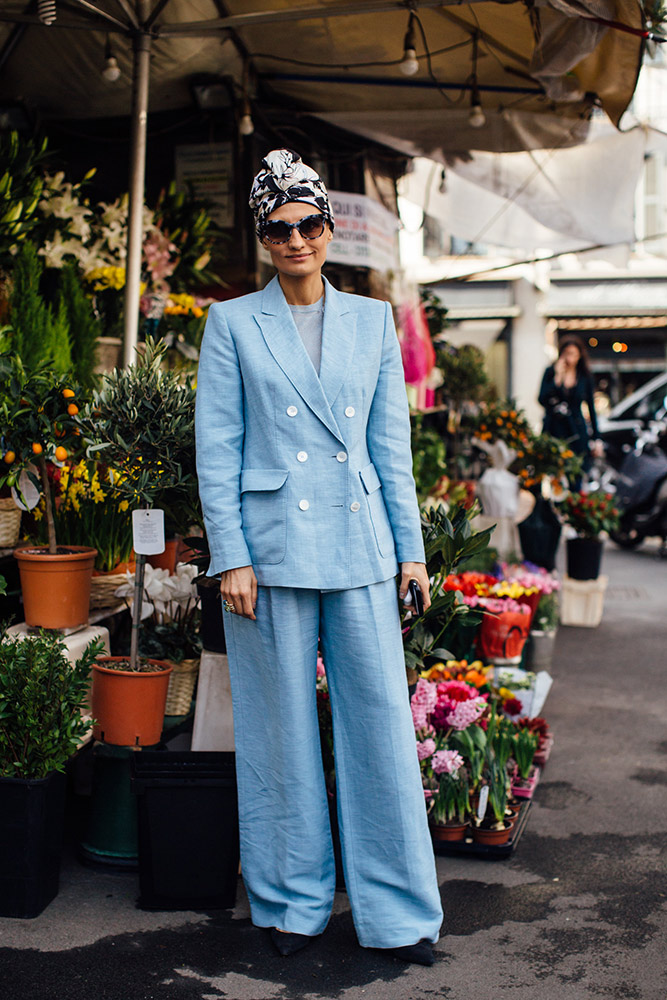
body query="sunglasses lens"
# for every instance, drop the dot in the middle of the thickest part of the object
(311, 227)
(277, 232)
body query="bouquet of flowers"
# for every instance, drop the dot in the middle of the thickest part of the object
(502, 421)
(590, 513)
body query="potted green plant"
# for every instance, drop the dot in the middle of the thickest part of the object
(41, 726)
(38, 434)
(449, 803)
(141, 423)
(542, 637)
(526, 775)
(589, 514)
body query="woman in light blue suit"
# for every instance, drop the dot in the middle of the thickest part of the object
(303, 457)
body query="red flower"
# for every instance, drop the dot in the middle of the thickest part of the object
(512, 706)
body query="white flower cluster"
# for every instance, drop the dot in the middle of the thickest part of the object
(164, 594)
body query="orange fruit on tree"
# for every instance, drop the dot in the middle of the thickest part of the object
(72, 409)
(61, 453)
(10, 457)
(68, 393)
(37, 448)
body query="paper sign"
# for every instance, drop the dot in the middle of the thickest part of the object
(148, 531)
(25, 494)
(483, 799)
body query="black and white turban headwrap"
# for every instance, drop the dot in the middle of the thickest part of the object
(284, 177)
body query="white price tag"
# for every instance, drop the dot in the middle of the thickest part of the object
(483, 800)
(148, 532)
(26, 490)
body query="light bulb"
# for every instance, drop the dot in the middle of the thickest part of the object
(46, 11)
(410, 65)
(111, 71)
(246, 125)
(476, 118)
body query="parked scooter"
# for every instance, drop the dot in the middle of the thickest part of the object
(641, 489)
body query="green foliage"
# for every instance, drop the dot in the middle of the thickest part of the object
(186, 220)
(446, 543)
(83, 325)
(21, 187)
(547, 615)
(429, 454)
(435, 312)
(172, 640)
(141, 423)
(524, 748)
(41, 696)
(464, 373)
(451, 800)
(471, 743)
(39, 331)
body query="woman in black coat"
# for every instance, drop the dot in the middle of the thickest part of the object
(565, 386)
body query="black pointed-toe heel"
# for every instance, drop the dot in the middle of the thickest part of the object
(419, 954)
(287, 943)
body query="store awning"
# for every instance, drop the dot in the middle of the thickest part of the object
(536, 69)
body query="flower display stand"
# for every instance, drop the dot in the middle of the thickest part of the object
(492, 852)
(582, 601)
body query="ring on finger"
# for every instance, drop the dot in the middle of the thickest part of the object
(228, 606)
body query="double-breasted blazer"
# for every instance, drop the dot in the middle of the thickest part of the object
(306, 478)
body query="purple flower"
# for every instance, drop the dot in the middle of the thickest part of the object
(425, 749)
(423, 702)
(447, 762)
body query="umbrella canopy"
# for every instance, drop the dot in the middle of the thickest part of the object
(534, 68)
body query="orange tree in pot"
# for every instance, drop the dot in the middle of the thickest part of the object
(141, 423)
(38, 431)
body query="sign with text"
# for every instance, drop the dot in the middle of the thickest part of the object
(366, 233)
(208, 169)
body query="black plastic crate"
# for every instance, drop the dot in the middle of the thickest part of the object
(188, 829)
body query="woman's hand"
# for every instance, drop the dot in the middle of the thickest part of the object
(239, 587)
(415, 571)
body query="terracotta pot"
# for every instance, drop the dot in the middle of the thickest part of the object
(484, 835)
(56, 588)
(121, 567)
(166, 559)
(448, 831)
(129, 706)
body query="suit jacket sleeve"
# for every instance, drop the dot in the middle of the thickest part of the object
(388, 438)
(220, 430)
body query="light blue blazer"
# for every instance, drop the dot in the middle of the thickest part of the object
(306, 478)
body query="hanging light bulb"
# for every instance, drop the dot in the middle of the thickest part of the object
(246, 124)
(476, 116)
(111, 71)
(46, 11)
(409, 65)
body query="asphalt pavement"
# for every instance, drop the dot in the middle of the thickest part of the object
(579, 912)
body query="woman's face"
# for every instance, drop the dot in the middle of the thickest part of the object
(298, 257)
(571, 355)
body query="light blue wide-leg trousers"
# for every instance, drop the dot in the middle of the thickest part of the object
(286, 848)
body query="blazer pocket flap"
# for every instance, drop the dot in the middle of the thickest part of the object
(370, 479)
(262, 479)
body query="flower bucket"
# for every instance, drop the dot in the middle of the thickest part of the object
(129, 706)
(56, 588)
(503, 636)
(584, 557)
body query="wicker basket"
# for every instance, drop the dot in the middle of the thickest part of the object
(10, 523)
(181, 687)
(103, 590)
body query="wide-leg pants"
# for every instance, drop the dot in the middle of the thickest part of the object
(286, 848)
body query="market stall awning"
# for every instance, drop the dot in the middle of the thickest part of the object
(535, 69)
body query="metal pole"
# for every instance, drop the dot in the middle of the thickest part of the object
(142, 55)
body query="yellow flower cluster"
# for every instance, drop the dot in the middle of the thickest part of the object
(77, 485)
(510, 588)
(183, 305)
(109, 276)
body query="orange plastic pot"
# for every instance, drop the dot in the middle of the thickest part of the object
(128, 706)
(448, 831)
(485, 835)
(56, 588)
(166, 559)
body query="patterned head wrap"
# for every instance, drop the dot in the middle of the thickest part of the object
(284, 177)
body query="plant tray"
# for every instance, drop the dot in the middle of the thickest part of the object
(542, 756)
(492, 852)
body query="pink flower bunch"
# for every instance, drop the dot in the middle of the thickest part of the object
(423, 702)
(320, 672)
(425, 749)
(447, 762)
(497, 605)
(157, 253)
(465, 713)
(536, 576)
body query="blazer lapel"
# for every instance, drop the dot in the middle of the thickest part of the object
(338, 337)
(282, 339)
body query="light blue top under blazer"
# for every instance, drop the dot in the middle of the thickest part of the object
(306, 478)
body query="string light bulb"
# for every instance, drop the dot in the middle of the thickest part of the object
(476, 116)
(409, 65)
(46, 11)
(246, 124)
(111, 71)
